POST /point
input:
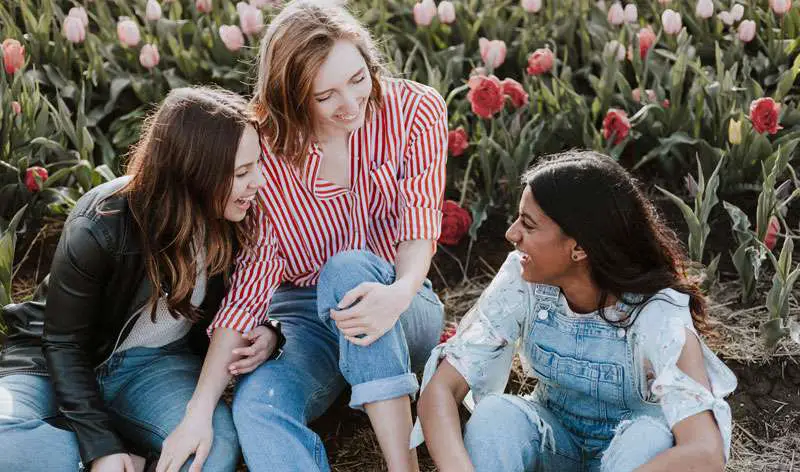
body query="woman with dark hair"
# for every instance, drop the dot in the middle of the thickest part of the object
(596, 294)
(102, 372)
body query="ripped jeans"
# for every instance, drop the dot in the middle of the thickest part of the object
(513, 433)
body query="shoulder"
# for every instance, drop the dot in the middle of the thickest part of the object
(667, 306)
(101, 212)
(421, 102)
(508, 293)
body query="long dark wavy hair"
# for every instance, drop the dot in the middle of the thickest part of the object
(182, 170)
(630, 250)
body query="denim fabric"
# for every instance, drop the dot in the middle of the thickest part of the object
(273, 405)
(146, 391)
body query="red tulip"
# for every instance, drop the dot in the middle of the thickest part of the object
(34, 178)
(457, 142)
(448, 331)
(764, 115)
(455, 223)
(515, 92)
(616, 125)
(771, 238)
(485, 95)
(540, 62)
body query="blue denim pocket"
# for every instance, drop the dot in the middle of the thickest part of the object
(599, 380)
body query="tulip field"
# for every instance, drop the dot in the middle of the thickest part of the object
(698, 98)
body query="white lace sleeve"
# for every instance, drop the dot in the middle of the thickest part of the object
(484, 344)
(662, 328)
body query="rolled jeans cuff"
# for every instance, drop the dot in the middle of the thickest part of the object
(383, 389)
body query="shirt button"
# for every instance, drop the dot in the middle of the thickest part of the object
(542, 314)
(621, 333)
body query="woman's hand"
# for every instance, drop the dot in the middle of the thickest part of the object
(375, 309)
(193, 435)
(262, 342)
(120, 462)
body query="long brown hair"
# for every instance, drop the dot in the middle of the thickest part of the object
(296, 43)
(597, 202)
(181, 172)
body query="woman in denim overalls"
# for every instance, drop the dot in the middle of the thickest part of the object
(607, 322)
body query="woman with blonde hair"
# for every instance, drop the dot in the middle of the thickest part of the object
(107, 359)
(355, 170)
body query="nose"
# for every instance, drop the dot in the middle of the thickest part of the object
(512, 235)
(351, 103)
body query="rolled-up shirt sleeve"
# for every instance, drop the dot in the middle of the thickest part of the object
(422, 178)
(258, 272)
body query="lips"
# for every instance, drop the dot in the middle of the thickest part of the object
(245, 202)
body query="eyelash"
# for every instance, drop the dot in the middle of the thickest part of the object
(356, 81)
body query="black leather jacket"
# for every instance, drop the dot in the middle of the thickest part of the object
(96, 286)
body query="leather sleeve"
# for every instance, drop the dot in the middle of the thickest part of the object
(81, 268)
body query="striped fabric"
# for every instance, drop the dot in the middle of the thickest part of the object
(397, 180)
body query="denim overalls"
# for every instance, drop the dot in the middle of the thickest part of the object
(588, 390)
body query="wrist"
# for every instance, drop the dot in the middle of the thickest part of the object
(407, 288)
(200, 408)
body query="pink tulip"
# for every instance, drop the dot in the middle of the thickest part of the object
(704, 9)
(13, 55)
(152, 11)
(79, 12)
(616, 15)
(493, 53)
(251, 18)
(447, 13)
(259, 3)
(203, 6)
(73, 29)
(737, 12)
(128, 32)
(531, 6)
(616, 49)
(631, 13)
(746, 31)
(671, 21)
(16, 107)
(424, 12)
(780, 7)
(149, 57)
(725, 17)
(231, 37)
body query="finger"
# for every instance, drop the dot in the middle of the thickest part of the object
(249, 335)
(163, 462)
(353, 332)
(249, 363)
(365, 341)
(199, 457)
(353, 295)
(246, 351)
(352, 323)
(350, 313)
(178, 460)
(127, 463)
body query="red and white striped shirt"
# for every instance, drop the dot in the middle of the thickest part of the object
(397, 180)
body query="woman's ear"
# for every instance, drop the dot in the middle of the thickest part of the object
(578, 254)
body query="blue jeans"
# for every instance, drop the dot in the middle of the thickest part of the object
(513, 433)
(146, 391)
(273, 405)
